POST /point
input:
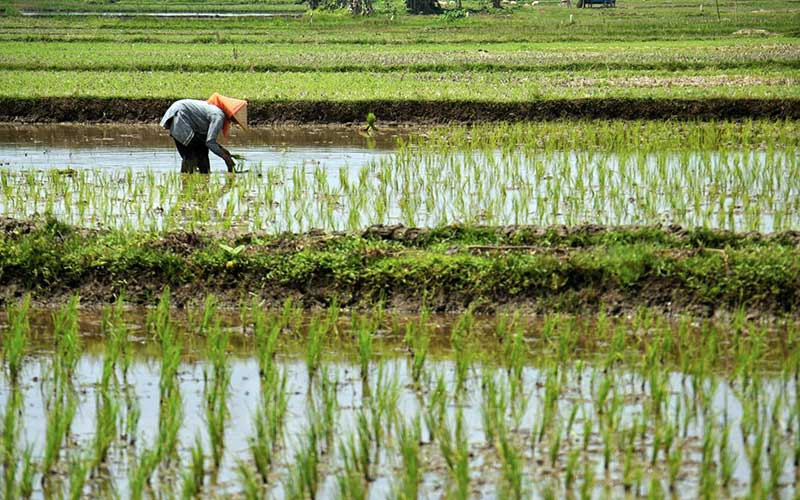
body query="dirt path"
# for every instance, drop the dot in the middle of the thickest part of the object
(66, 109)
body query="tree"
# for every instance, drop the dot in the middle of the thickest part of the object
(423, 6)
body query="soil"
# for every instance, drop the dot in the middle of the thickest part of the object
(99, 110)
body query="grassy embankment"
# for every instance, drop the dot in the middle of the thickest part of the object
(448, 268)
(650, 53)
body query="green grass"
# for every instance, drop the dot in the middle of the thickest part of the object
(632, 20)
(755, 54)
(399, 86)
(698, 270)
(642, 49)
(134, 6)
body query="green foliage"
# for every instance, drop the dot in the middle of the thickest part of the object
(453, 15)
(369, 271)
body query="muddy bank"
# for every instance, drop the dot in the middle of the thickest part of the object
(67, 109)
(448, 269)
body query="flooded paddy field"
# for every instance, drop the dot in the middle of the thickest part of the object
(740, 176)
(291, 403)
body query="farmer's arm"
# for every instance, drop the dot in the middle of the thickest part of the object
(211, 141)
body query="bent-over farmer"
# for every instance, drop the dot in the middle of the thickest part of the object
(195, 125)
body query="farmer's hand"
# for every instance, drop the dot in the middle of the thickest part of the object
(229, 163)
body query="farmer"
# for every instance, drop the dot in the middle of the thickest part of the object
(195, 125)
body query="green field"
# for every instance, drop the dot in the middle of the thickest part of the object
(641, 49)
(582, 282)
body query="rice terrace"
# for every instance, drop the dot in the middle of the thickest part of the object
(400, 249)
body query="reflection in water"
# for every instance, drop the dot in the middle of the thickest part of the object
(115, 146)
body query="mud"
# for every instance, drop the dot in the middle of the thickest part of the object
(96, 110)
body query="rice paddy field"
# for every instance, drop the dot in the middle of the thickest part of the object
(262, 402)
(529, 252)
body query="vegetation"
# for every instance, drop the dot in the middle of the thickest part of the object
(590, 267)
(643, 401)
(601, 172)
(288, 370)
(470, 53)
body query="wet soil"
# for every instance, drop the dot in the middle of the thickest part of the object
(67, 109)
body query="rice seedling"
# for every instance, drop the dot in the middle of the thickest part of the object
(170, 402)
(15, 339)
(454, 448)
(119, 348)
(251, 489)
(67, 340)
(512, 468)
(417, 339)
(305, 472)
(460, 339)
(170, 420)
(353, 479)
(326, 415)
(776, 460)
(364, 336)
(142, 472)
(107, 412)
(11, 426)
(493, 407)
(408, 435)
(314, 348)
(78, 471)
(727, 460)
(382, 405)
(216, 383)
(268, 424)
(587, 485)
(61, 411)
(265, 337)
(570, 473)
(193, 476)
(25, 484)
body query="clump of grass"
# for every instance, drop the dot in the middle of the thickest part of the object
(142, 472)
(408, 442)
(8, 451)
(455, 451)
(67, 340)
(417, 339)
(61, 411)
(15, 339)
(304, 477)
(216, 390)
(493, 407)
(268, 424)
(251, 487)
(461, 340)
(511, 460)
(353, 480)
(193, 476)
(365, 335)
(78, 471)
(106, 411)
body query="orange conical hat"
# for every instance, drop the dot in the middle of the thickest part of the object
(235, 109)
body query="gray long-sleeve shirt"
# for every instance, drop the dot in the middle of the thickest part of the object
(192, 116)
